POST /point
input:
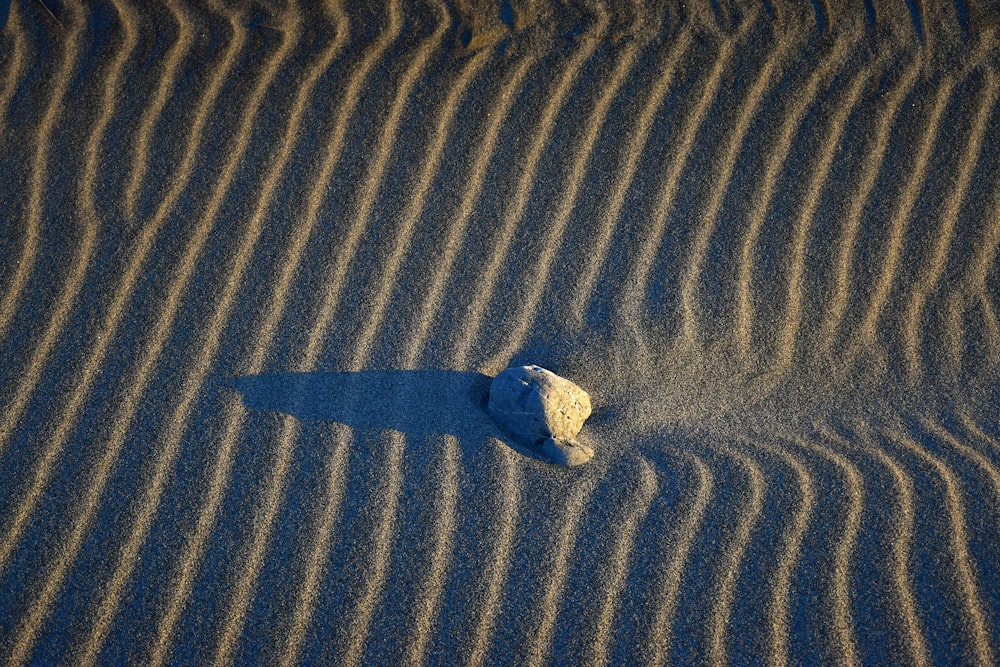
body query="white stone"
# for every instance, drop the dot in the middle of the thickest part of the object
(544, 411)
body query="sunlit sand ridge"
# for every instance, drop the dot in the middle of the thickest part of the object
(764, 239)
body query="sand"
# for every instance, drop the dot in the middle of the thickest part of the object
(242, 240)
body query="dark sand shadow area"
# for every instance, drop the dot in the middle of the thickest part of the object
(416, 402)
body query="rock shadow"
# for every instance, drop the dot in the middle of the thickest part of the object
(419, 403)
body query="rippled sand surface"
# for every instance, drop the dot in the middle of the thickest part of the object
(260, 260)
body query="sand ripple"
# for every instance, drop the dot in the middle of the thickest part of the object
(764, 238)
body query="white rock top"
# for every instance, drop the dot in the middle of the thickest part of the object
(544, 411)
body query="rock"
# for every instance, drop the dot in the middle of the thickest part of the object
(544, 411)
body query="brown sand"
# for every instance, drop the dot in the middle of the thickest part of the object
(764, 237)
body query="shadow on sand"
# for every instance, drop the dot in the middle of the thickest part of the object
(420, 403)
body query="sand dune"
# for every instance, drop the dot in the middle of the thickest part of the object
(261, 261)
